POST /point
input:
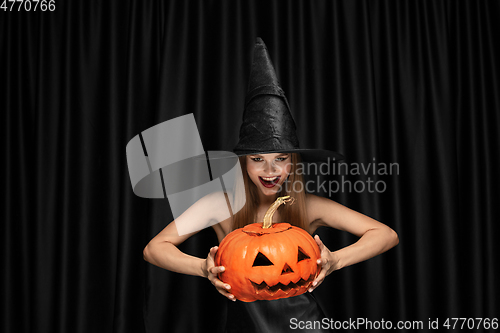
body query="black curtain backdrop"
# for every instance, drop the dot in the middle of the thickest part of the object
(409, 82)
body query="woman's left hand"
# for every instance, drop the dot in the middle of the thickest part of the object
(328, 262)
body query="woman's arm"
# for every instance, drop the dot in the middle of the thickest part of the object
(375, 237)
(163, 250)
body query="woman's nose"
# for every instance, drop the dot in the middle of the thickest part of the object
(270, 168)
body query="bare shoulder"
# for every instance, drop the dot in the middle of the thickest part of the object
(214, 205)
(317, 206)
(312, 199)
(207, 211)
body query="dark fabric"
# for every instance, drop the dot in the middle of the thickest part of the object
(299, 313)
(408, 82)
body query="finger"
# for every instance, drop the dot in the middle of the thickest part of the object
(322, 261)
(315, 285)
(216, 269)
(213, 251)
(220, 285)
(211, 255)
(227, 294)
(318, 280)
(224, 289)
(321, 276)
(319, 242)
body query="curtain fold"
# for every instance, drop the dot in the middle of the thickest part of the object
(412, 83)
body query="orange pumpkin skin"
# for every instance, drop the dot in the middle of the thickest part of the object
(267, 264)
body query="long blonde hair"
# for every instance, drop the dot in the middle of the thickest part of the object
(295, 214)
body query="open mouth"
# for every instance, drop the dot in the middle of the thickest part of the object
(269, 181)
(271, 290)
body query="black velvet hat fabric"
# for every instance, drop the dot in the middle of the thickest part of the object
(268, 126)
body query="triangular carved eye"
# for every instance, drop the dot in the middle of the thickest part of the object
(261, 260)
(302, 255)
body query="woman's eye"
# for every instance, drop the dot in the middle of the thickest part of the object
(256, 159)
(281, 159)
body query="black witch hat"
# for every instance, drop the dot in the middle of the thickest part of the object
(268, 126)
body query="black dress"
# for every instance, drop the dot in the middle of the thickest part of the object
(281, 315)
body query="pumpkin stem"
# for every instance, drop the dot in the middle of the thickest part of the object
(268, 217)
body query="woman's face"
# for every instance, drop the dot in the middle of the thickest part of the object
(268, 171)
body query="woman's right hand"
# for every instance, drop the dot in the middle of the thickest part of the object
(211, 271)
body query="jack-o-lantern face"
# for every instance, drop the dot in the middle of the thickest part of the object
(266, 264)
(292, 285)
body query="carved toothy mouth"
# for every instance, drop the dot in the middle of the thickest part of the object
(286, 288)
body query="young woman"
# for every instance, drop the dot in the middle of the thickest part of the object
(269, 158)
(265, 176)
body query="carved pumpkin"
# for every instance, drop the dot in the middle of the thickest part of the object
(266, 261)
